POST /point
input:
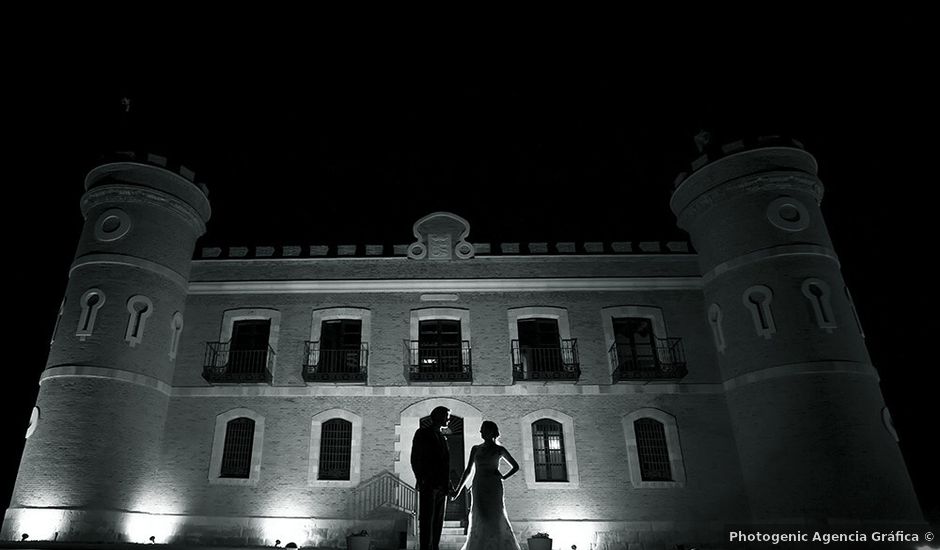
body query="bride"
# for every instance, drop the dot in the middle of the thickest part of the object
(489, 525)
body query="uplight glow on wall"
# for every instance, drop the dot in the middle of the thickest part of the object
(284, 529)
(564, 534)
(40, 523)
(141, 526)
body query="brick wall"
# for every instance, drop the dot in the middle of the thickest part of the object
(391, 313)
(96, 445)
(712, 491)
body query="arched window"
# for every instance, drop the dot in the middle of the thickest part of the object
(651, 450)
(236, 453)
(817, 292)
(237, 445)
(176, 330)
(714, 321)
(34, 422)
(549, 450)
(335, 457)
(858, 321)
(654, 452)
(92, 300)
(58, 319)
(757, 300)
(139, 308)
(548, 446)
(335, 449)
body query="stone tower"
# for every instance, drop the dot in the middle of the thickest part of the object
(810, 422)
(103, 397)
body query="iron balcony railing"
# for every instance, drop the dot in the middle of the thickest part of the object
(546, 363)
(235, 366)
(437, 363)
(664, 361)
(335, 365)
(383, 494)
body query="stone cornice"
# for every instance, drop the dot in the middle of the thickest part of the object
(774, 252)
(518, 389)
(123, 193)
(85, 371)
(132, 261)
(800, 369)
(599, 284)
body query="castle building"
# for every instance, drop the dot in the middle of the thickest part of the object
(652, 395)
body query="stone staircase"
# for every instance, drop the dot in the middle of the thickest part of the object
(452, 537)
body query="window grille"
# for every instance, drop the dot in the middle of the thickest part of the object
(335, 449)
(236, 453)
(548, 442)
(651, 450)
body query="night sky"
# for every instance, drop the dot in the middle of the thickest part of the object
(305, 145)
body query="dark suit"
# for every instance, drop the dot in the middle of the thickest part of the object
(430, 460)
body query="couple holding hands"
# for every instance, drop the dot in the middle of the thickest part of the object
(430, 460)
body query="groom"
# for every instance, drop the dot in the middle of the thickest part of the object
(430, 460)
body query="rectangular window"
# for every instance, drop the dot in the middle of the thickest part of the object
(439, 345)
(540, 346)
(340, 345)
(636, 343)
(248, 349)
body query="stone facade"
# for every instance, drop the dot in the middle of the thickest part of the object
(132, 427)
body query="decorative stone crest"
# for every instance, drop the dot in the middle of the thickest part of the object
(441, 236)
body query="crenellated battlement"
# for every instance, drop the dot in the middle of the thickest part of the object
(173, 165)
(712, 151)
(562, 248)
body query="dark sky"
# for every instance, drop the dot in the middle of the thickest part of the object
(346, 145)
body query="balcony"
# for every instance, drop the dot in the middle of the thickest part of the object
(224, 365)
(335, 365)
(664, 361)
(437, 363)
(546, 363)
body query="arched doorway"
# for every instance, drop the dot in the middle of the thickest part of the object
(411, 417)
(456, 510)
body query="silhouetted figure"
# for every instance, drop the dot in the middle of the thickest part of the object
(430, 460)
(489, 524)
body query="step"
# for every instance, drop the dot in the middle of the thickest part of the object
(448, 537)
(445, 545)
(453, 535)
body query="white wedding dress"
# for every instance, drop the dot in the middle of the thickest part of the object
(489, 525)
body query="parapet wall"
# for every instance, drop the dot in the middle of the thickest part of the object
(486, 249)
